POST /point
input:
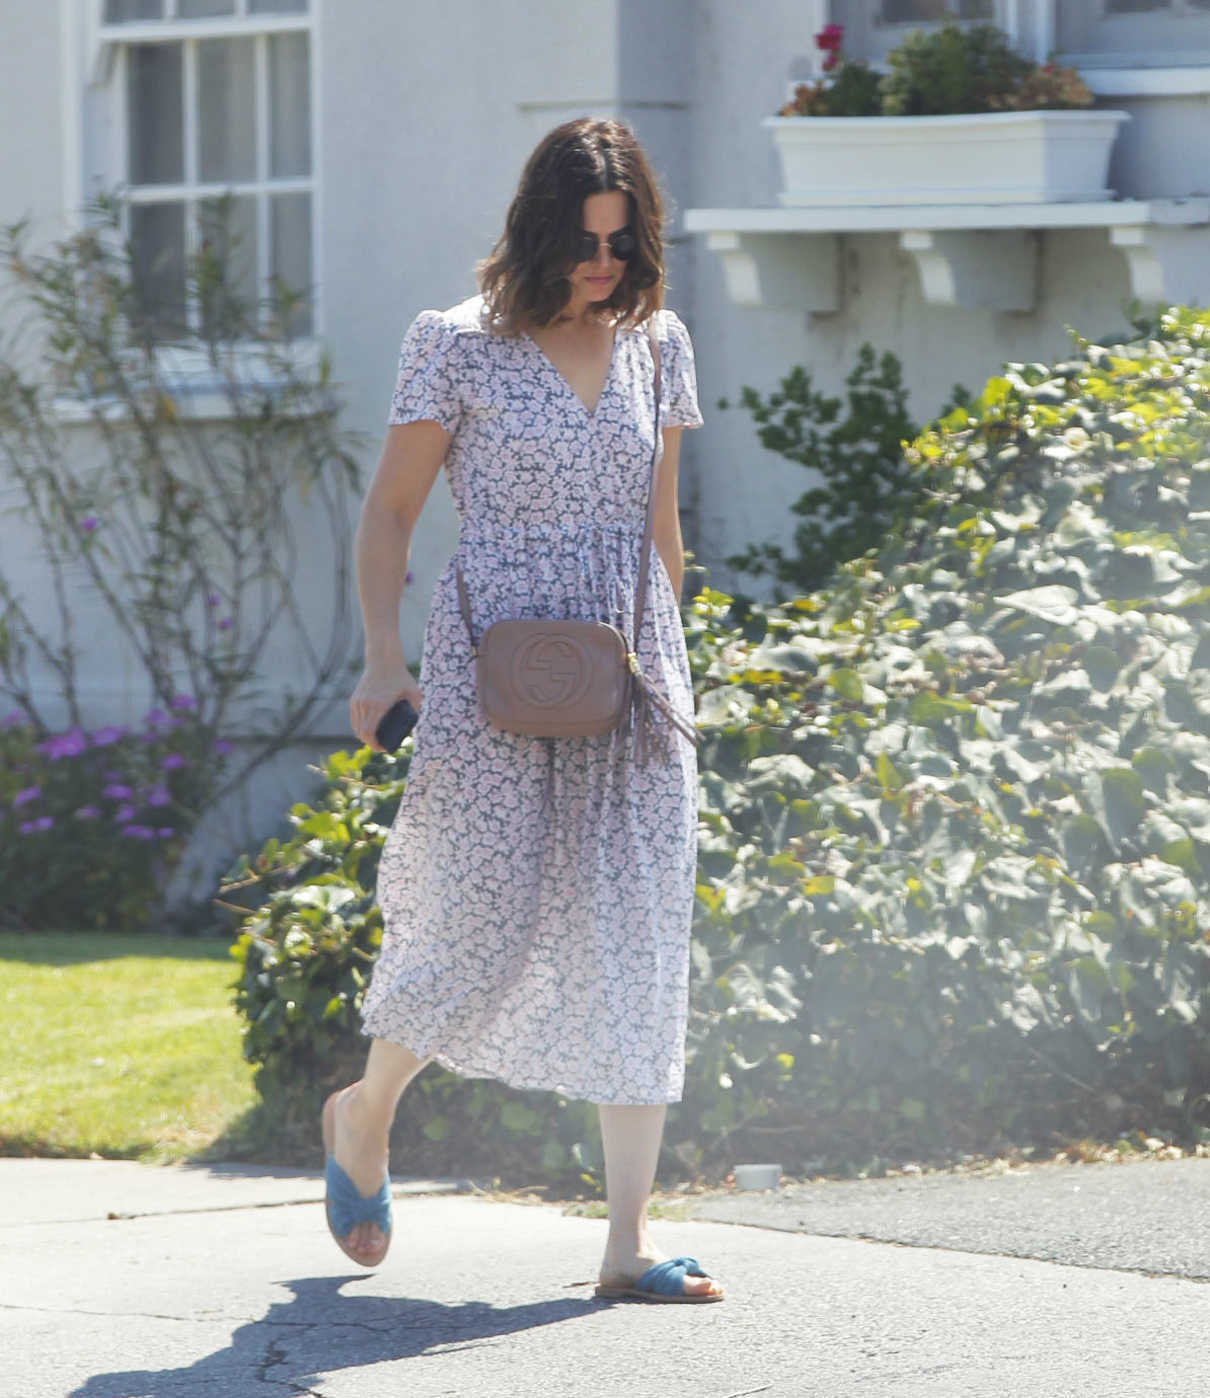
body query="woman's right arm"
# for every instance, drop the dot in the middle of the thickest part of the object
(411, 458)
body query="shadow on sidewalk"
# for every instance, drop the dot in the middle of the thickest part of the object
(319, 1331)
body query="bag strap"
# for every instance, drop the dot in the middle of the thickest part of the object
(640, 595)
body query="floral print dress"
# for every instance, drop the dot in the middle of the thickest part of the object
(537, 893)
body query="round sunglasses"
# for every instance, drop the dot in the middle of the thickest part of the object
(622, 244)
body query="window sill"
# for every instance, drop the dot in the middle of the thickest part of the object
(1106, 79)
(196, 391)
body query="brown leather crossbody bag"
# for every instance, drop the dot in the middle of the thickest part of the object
(560, 678)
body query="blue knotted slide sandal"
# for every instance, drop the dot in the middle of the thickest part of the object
(344, 1207)
(664, 1282)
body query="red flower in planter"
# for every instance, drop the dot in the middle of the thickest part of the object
(830, 37)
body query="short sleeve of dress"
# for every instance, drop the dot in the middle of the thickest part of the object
(679, 373)
(427, 384)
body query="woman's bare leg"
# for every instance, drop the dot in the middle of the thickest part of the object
(631, 1137)
(363, 1116)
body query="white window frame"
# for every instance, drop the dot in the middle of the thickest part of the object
(1131, 73)
(869, 38)
(1032, 25)
(95, 150)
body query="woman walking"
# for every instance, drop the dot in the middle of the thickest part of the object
(536, 893)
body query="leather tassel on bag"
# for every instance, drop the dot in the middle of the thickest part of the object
(641, 717)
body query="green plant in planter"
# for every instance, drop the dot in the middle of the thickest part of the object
(851, 87)
(953, 70)
(950, 70)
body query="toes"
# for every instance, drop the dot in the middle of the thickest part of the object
(367, 1239)
(698, 1286)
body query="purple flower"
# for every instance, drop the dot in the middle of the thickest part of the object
(109, 734)
(88, 812)
(222, 745)
(139, 832)
(29, 827)
(11, 719)
(212, 599)
(182, 701)
(172, 759)
(165, 832)
(64, 744)
(124, 813)
(154, 716)
(224, 624)
(88, 524)
(408, 576)
(117, 791)
(159, 796)
(25, 795)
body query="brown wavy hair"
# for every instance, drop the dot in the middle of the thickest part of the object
(524, 279)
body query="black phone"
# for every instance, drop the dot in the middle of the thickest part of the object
(396, 724)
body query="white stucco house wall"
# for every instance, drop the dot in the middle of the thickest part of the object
(376, 144)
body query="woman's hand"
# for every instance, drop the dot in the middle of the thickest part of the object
(378, 688)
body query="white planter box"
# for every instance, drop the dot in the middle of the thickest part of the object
(1044, 157)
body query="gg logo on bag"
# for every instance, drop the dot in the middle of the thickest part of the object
(550, 670)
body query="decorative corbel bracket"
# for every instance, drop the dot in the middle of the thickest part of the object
(1168, 263)
(978, 269)
(772, 270)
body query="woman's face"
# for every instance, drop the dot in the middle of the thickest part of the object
(595, 279)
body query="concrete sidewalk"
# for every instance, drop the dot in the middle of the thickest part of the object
(120, 1280)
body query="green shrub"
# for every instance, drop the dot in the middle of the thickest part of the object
(954, 825)
(867, 483)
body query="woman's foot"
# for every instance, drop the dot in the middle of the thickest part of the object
(624, 1266)
(359, 1147)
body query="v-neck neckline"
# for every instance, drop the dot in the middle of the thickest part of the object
(558, 373)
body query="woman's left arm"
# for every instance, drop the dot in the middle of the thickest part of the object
(666, 525)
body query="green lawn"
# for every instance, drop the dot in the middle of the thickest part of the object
(126, 1046)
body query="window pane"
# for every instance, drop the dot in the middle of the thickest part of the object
(290, 222)
(905, 11)
(202, 9)
(289, 104)
(120, 11)
(155, 153)
(227, 228)
(277, 7)
(157, 237)
(226, 70)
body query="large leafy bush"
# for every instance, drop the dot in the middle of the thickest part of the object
(955, 817)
